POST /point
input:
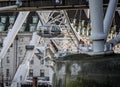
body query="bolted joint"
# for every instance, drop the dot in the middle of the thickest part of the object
(18, 3)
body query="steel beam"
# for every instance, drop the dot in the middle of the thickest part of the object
(13, 32)
(96, 15)
(109, 16)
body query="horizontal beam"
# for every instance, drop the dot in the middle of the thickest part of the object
(70, 7)
(36, 5)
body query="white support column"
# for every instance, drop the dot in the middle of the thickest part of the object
(109, 16)
(12, 34)
(23, 69)
(96, 15)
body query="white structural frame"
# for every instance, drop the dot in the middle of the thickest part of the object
(100, 28)
(96, 14)
(12, 33)
(99, 33)
(109, 16)
(22, 71)
(18, 4)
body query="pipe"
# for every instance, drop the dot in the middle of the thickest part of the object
(109, 16)
(96, 13)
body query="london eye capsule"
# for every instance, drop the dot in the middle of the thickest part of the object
(50, 31)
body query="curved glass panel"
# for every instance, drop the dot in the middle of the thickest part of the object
(49, 31)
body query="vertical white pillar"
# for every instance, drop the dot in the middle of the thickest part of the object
(96, 15)
(109, 16)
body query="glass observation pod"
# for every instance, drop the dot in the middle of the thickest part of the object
(50, 31)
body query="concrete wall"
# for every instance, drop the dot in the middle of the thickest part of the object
(100, 71)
